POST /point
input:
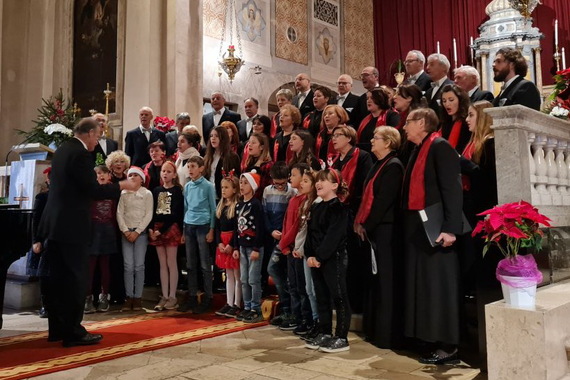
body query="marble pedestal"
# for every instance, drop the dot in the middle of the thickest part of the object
(530, 344)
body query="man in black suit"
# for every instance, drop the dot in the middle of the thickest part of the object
(65, 224)
(415, 62)
(510, 67)
(182, 120)
(244, 126)
(437, 69)
(304, 98)
(138, 139)
(105, 145)
(348, 100)
(369, 77)
(217, 116)
(468, 78)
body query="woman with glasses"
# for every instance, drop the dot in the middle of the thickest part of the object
(380, 113)
(376, 221)
(432, 276)
(353, 163)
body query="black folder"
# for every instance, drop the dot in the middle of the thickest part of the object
(432, 218)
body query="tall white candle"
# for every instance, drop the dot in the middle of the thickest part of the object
(455, 52)
(563, 59)
(438, 47)
(556, 32)
(471, 47)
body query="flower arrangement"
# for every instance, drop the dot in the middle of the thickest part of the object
(558, 102)
(54, 123)
(517, 224)
(164, 123)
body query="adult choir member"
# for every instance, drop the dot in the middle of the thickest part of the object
(289, 120)
(333, 116)
(312, 122)
(454, 106)
(432, 297)
(376, 220)
(283, 97)
(380, 113)
(407, 98)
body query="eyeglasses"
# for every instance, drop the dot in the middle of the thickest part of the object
(410, 61)
(365, 75)
(337, 135)
(377, 137)
(342, 83)
(410, 120)
(280, 184)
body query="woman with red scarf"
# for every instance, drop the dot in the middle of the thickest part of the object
(376, 221)
(432, 276)
(283, 97)
(312, 122)
(378, 104)
(289, 119)
(353, 163)
(454, 106)
(333, 116)
(407, 98)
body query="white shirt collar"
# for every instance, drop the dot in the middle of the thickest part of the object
(508, 83)
(473, 90)
(145, 130)
(416, 76)
(82, 143)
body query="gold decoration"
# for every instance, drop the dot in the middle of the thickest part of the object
(231, 63)
(525, 7)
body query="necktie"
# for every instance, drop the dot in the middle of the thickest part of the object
(340, 100)
(147, 134)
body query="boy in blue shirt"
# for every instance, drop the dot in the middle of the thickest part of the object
(199, 220)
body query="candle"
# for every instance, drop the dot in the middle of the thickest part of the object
(563, 59)
(437, 47)
(455, 52)
(471, 47)
(556, 32)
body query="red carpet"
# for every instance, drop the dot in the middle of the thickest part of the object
(28, 355)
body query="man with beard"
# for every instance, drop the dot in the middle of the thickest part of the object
(510, 67)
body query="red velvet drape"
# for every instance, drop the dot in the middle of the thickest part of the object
(400, 26)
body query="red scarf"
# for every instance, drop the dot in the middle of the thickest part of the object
(307, 121)
(380, 122)
(274, 125)
(330, 148)
(245, 157)
(417, 192)
(455, 133)
(368, 197)
(288, 152)
(348, 171)
(403, 117)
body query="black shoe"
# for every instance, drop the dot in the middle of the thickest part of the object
(277, 320)
(288, 324)
(320, 340)
(223, 310)
(204, 307)
(244, 313)
(86, 340)
(254, 317)
(312, 333)
(189, 304)
(43, 312)
(302, 329)
(334, 345)
(440, 357)
(233, 312)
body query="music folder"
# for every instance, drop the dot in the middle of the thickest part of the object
(432, 218)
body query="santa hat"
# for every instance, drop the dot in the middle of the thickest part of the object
(137, 170)
(253, 178)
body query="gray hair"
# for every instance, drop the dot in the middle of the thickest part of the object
(442, 59)
(85, 125)
(468, 70)
(182, 116)
(286, 93)
(420, 55)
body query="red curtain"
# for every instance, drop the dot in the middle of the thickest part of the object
(400, 26)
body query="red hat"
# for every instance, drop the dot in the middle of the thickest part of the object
(253, 178)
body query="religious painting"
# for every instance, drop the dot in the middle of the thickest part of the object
(326, 36)
(252, 20)
(291, 30)
(94, 53)
(326, 46)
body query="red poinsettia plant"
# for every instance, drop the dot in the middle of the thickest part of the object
(512, 226)
(164, 123)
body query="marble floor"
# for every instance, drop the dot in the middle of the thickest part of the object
(255, 354)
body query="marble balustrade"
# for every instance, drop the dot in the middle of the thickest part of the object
(533, 160)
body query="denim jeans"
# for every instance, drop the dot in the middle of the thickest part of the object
(300, 305)
(277, 269)
(310, 288)
(197, 249)
(133, 260)
(250, 278)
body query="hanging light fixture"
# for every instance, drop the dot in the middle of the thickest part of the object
(525, 7)
(229, 62)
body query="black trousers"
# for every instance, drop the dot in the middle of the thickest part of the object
(330, 284)
(67, 285)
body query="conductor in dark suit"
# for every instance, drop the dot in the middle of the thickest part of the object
(105, 146)
(304, 98)
(137, 140)
(437, 69)
(415, 62)
(468, 78)
(219, 114)
(66, 224)
(245, 126)
(510, 67)
(348, 100)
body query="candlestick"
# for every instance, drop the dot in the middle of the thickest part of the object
(471, 49)
(563, 59)
(557, 57)
(455, 52)
(556, 32)
(107, 93)
(438, 47)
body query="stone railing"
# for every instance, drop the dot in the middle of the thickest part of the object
(533, 160)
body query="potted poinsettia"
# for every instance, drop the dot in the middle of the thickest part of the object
(511, 227)
(164, 123)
